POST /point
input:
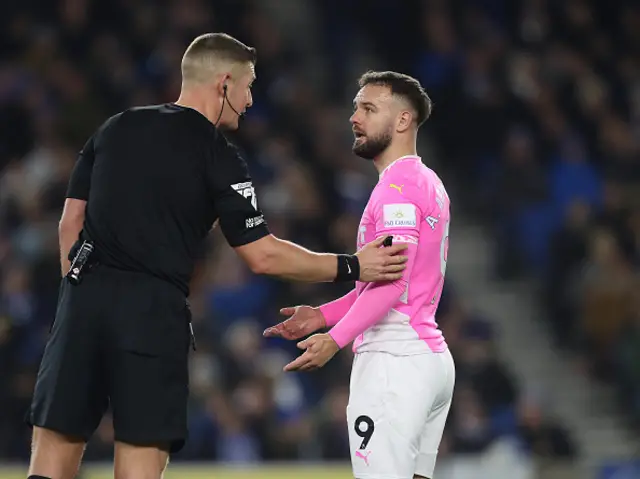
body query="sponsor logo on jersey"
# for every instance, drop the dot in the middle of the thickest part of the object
(396, 187)
(402, 215)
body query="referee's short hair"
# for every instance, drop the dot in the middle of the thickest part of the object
(212, 51)
(403, 86)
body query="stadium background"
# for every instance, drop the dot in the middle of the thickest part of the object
(536, 131)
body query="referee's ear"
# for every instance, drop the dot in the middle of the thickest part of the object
(224, 84)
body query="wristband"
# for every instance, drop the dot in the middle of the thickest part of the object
(348, 268)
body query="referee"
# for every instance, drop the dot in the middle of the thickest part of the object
(146, 190)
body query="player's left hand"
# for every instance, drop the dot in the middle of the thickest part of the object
(303, 321)
(320, 348)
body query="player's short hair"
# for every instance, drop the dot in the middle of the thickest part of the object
(404, 86)
(211, 51)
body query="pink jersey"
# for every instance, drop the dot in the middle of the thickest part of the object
(410, 203)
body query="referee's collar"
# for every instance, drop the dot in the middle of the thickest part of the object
(188, 108)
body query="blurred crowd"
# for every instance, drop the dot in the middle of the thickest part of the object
(536, 124)
(559, 170)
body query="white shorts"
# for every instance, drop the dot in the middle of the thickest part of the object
(398, 406)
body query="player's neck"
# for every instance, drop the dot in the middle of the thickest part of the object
(391, 155)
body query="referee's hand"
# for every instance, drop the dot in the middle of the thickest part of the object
(381, 264)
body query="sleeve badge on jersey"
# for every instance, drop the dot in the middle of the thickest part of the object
(401, 215)
(246, 190)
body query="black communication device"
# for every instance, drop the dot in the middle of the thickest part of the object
(82, 256)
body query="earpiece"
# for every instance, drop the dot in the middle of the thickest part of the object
(226, 100)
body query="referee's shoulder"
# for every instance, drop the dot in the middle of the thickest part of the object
(110, 121)
(117, 118)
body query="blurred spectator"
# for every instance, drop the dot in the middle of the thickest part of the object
(567, 253)
(609, 285)
(520, 189)
(541, 435)
(478, 365)
(332, 433)
(626, 358)
(470, 430)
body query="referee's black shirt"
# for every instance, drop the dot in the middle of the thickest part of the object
(156, 178)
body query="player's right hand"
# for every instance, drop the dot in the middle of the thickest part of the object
(303, 321)
(381, 264)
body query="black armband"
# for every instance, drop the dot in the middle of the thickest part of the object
(348, 268)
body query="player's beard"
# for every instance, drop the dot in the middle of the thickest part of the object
(371, 146)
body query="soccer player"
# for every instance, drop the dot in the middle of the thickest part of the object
(144, 193)
(403, 373)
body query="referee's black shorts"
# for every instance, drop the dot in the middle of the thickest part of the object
(120, 339)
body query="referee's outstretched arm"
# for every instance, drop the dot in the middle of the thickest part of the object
(276, 257)
(245, 228)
